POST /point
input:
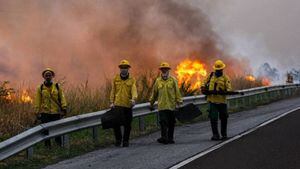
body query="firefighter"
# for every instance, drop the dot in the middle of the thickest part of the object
(122, 98)
(166, 91)
(216, 83)
(50, 102)
(290, 79)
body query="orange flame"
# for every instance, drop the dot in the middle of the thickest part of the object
(266, 82)
(191, 72)
(263, 80)
(8, 97)
(250, 78)
(25, 98)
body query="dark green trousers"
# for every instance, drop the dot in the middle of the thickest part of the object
(218, 111)
(167, 124)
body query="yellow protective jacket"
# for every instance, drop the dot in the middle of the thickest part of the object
(221, 83)
(123, 91)
(167, 93)
(47, 99)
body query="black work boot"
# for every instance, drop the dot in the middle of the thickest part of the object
(224, 128)
(125, 143)
(171, 134)
(118, 143)
(118, 136)
(214, 127)
(163, 139)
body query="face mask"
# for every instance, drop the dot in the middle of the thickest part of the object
(219, 73)
(165, 75)
(48, 82)
(124, 72)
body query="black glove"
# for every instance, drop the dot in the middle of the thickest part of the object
(151, 108)
(63, 112)
(39, 116)
(204, 91)
(242, 93)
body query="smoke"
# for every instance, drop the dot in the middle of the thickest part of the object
(260, 30)
(271, 73)
(296, 74)
(86, 39)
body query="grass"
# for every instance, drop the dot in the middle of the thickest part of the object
(16, 116)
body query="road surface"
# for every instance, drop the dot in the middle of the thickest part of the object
(146, 153)
(274, 146)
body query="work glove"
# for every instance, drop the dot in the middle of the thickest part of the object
(112, 105)
(151, 107)
(63, 113)
(204, 91)
(132, 102)
(178, 105)
(38, 116)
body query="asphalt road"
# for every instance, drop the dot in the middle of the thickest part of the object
(146, 153)
(274, 146)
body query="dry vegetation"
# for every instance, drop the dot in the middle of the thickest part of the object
(16, 116)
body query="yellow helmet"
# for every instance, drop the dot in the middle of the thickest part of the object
(164, 65)
(48, 70)
(219, 65)
(124, 63)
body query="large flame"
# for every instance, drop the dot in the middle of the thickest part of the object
(25, 98)
(191, 72)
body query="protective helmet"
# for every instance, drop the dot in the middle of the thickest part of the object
(219, 65)
(164, 65)
(124, 63)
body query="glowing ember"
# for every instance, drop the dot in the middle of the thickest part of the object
(250, 78)
(266, 82)
(25, 98)
(8, 96)
(191, 72)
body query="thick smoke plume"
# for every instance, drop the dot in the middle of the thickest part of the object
(266, 70)
(85, 39)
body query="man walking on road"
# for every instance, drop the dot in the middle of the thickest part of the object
(50, 102)
(215, 87)
(166, 91)
(122, 98)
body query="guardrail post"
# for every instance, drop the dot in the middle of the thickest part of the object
(157, 119)
(66, 141)
(96, 134)
(229, 104)
(29, 152)
(241, 103)
(142, 123)
(232, 104)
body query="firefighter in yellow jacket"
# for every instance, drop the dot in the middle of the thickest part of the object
(122, 98)
(166, 91)
(214, 87)
(50, 102)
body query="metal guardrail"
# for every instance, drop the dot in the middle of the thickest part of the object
(27, 139)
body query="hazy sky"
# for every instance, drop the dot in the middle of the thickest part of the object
(85, 39)
(265, 30)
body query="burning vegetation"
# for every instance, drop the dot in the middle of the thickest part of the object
(191, 72)
(11, 95)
